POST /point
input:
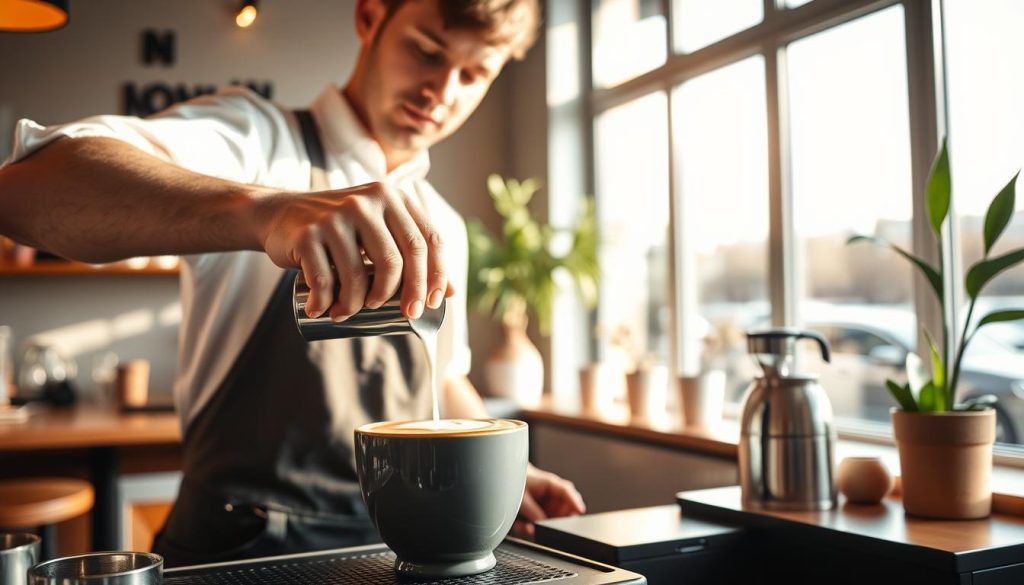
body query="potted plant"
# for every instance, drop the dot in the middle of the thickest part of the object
(510, 275)
(945, 446)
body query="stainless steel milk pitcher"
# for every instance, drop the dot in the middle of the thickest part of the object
(387, 319)
(787, 438)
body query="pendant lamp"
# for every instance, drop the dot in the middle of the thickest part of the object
(32, 15)
(246, 14)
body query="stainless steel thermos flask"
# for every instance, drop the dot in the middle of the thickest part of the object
(787, 438)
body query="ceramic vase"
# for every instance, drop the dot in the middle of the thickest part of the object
(516, 370)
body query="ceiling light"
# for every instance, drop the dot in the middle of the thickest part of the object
(246, 14)
(32, 15)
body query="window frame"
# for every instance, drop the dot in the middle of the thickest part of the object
(926, 97)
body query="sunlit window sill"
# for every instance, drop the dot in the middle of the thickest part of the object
(722, 439)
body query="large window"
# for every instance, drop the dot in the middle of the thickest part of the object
(850, 168)
(984, 57)
(632, 196)
(736, 145)
(721, 133)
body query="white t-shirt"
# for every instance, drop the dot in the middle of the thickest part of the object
(239, 136)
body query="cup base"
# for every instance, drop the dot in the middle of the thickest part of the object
(459, 569)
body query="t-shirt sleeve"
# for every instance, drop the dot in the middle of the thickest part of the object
(227, 135)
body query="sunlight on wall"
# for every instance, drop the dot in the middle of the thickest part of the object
(97, 334)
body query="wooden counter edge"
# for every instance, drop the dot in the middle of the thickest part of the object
(707, 442)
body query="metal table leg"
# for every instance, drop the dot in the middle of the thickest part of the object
(104, 467)
(48, 547)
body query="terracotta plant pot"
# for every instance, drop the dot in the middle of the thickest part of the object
(946, 462)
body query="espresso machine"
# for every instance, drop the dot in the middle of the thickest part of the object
(787, 438)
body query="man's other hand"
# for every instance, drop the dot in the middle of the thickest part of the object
(546, 496)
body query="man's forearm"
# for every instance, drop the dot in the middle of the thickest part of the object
(100, 199)
(461, 400)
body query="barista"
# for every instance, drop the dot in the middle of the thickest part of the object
(248, 193)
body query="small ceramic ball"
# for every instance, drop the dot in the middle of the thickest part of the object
(863, 480)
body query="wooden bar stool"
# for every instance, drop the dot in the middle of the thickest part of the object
(39, 503)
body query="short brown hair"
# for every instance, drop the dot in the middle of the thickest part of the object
(512, 22)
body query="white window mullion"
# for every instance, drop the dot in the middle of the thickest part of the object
(781, 239)
(927, 119)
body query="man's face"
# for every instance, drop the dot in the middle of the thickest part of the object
(422, 81)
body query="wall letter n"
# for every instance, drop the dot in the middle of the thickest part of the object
(158, 47)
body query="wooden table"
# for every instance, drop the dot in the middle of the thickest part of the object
(102, 431)
(874, 542)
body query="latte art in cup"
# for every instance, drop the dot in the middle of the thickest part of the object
(443, 427)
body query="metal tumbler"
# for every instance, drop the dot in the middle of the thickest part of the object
(18, 552)
(103, 568)
(387, 319)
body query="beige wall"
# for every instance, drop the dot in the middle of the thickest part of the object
(298, 46)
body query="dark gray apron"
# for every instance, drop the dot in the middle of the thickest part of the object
(269, 466)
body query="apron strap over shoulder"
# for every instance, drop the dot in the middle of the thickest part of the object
(314, 150)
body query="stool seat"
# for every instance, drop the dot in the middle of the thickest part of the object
(26, 503)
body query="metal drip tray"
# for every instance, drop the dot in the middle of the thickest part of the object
(518, 563)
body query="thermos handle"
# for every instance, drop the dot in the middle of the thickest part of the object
(784, 332)
(826, 353)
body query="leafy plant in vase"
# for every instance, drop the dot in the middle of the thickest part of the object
(516, 272)
(945, 447)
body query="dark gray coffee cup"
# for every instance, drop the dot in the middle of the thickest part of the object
(443, 503)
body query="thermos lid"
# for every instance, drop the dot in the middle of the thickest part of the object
(783, 403)
(775, 349)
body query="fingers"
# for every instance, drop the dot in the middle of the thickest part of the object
(546, 496)
(567, 501)
(413, 247)
(348, 263)
(530, 510)
(314, 230)
(437, 281)
(316, 270)
(383, 252)
(557, 496)
(523, 527)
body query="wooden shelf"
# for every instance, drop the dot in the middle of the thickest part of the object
(65, 268)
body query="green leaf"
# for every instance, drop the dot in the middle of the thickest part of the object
(903, 395)
(999, 213)
(933, 276)
(939, 190)
(930, 400)
(1005, 315)
(985, 270)
(496, 185)
(938, 368)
